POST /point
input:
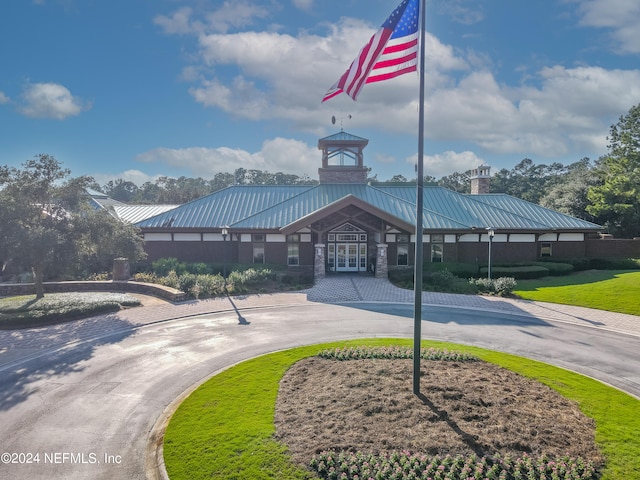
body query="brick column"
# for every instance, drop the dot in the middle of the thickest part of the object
(382, 268)
(319, 269)
(121, 269)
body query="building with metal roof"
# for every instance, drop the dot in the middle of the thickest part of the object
(347, 224)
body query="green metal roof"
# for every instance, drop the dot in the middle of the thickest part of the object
(343, 136)
(275, 207)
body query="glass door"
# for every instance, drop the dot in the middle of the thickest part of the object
(347, 257)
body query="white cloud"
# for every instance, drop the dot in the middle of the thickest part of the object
(50, 100)
(232, 14)
(462, 12)
(267, 75)
(303, 4)
(620, 16)
(179, 22)
(275, 78)
(135, 176)
(445, 163)
(4, 98)
(571, 110)
(276, 155)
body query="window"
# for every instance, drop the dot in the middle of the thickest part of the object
(402, 238)
(331, 257)
(346, 237)
(257, 237)
(437, 241)
(545, 249)
(293, 249)
(403, 254)
(363, 256)
(258, 252)
(293, 254)
(436, 252)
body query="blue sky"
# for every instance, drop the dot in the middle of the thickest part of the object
(137, 89)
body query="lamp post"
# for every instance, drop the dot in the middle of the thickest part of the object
(225, 232)
(490, 232)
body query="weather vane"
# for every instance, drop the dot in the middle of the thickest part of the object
(333, 120)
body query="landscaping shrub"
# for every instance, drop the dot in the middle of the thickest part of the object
(615, 263)
(500, 286)
(443, 278)
(163, 266)
(394, 352)
(521, 272)
(556, 268)
(579, 264)
(462, 270)
(208, 286)
(146, 277)
(404, 466)
(250, 276)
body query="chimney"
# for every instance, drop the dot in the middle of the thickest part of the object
(480, 180)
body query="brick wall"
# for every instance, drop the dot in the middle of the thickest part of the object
(167, 293)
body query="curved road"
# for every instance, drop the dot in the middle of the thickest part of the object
(84, 407)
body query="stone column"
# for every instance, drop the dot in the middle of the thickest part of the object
(121, 272)
(319, 269)
(382, 268)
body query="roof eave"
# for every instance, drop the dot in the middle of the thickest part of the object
(338, 205)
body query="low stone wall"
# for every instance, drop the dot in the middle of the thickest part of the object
(166, 293)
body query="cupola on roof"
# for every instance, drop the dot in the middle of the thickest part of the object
(342, 158)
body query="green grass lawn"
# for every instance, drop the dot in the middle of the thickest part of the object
(224, 429)
(611, 290)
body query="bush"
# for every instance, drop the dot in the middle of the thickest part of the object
(462, 270)
(251, 276)
(579, 264)
(163, 266)
(520, 272)
(555, 268)
(210, 285)
(500, 286)
(615, 263)
(146, 277)
(443, 278)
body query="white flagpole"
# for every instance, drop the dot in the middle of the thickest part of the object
(417, 308)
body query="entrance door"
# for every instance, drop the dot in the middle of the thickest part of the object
(347, 258)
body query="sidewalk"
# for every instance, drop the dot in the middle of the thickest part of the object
(18, 344)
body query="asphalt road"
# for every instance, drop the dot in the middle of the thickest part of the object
(86, 410)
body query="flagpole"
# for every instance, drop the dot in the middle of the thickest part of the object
(417, 308)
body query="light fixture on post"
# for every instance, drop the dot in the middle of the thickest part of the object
(491, 233)
(225, 232)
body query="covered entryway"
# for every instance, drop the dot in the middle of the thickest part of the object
(347, 249)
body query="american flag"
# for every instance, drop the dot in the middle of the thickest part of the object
(391, 51)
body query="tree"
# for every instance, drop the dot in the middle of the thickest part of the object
(121, 190)
(458, 182)
(398, 179)
(48, 226)
(527, 180)
(568, 195)
(617, 199)
(36, 205)
(103, 238)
